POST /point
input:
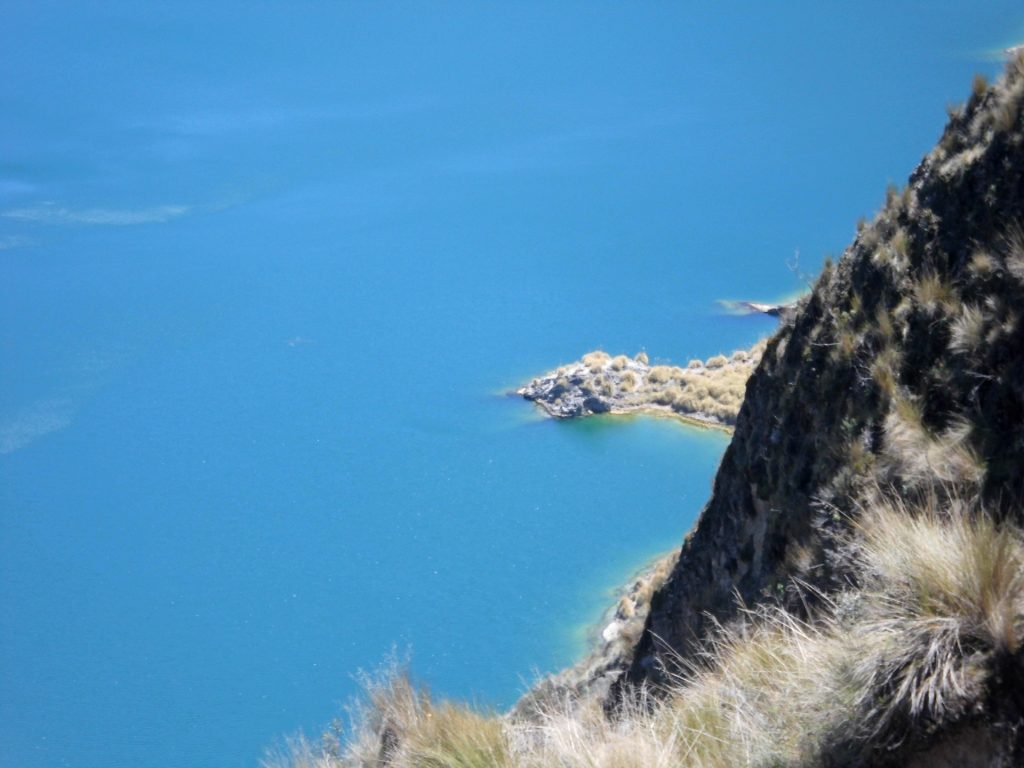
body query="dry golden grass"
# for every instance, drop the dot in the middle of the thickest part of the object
(922, 457)
(943, 595)
(885, 371)
(453, 736)
(982, 263)
(846, 343)
(934, 294)
(884, 326)
(1014, 250)
(668, 395)
(584, 737)
(967, 330)
(939, 608)
(660, 374)
(596, 360)
(597, 357)
(717, 361)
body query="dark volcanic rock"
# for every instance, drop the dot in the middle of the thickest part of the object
(905, 366)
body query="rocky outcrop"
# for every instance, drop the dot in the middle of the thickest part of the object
(904, 368)
(707, 392)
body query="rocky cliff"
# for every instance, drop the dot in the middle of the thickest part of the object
(853, 592)
(903, 369)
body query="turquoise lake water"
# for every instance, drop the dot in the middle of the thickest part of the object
(267, 272)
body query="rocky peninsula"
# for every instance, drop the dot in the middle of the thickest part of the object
(705, 392)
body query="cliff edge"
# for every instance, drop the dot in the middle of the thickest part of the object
(901, 373)
(853, 592)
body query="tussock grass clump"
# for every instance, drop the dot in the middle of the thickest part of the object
(1014, 248)
(584, 737)
(452, 736)
(982, 263)
(892, 254)
(596, 360)
(597, 357)
(398, 725)
(885, 371)
(847, 341)
(943, 597)
(669, 395)
(936, 621)
(619, 362)
(923, 457)
(660, 374)
(967, 330)
(694, 364)
(716, 362)
(934, 294)
(884, 327)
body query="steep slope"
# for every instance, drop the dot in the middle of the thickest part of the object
(853, 593)
(902, 370)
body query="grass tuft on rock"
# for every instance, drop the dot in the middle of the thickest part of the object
(935, 623)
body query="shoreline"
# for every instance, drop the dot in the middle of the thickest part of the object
(689, 420)
(609, 642)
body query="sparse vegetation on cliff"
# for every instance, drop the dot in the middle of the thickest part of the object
(853, 593)
(933, 629)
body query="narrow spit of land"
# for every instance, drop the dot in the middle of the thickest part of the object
(706, 392)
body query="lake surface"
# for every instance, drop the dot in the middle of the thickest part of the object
(267, 273)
